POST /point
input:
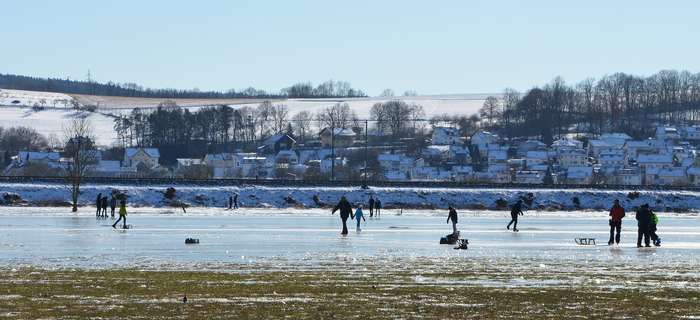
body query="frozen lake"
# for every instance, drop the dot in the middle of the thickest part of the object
(40, 238)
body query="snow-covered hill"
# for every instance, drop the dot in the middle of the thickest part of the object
(52, 121)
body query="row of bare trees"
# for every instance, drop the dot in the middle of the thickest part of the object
(618, 102)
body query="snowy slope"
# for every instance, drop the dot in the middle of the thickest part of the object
(303, 197)
(52, 121)
(22, 98)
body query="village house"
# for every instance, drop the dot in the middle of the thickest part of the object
(529, 177)
(33, 157)
(566, 143)
(571, 157)
(579, 175)
(630, 177)
(286, 159)
(690, 133)
(673, 176)
(484, 140)
(635, 148)
(133, 157)
(221, 164)
(668, 134)
(654, 161)
(530, 145)
(105, 168)
(276, 143)
(338, 137)
(446, 136)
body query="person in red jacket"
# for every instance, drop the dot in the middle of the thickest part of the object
(617, 212)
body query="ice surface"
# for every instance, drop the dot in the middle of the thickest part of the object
(38, 237)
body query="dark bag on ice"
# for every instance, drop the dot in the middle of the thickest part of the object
(450, 238)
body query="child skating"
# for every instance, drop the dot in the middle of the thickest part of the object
(359, 215)
(122, 214)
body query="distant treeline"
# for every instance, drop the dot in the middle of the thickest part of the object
(614, 103)
(325, 90)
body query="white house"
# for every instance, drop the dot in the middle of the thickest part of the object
(29, 157)
(566, 143)
(693, 174)
(572, 157)
(483, 140)
(634, 148)
(446, 136)
(286, 159)
(690, 133)
(106, 168)
(436, 152)
(611, 161)
(530, 145)
(459, 155)
(665, 133)
(533, 158)
(629, 177)
(497, 157)
(596, 147)
(615, 138)
(654, 161)
(463, 173)
(674, 176)
(529, 177)
(579, 175)
(135, 156)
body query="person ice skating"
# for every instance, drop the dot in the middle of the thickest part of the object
(515, 210)
(113, 205)
(230, 202)
(652, 229)
(122, 214)
(371, 206)
(359, 215)
(105, 203)
(452, 216)
(235, 200)
(98, 204)
(643, 217)
(617, 212)
(345, 212)
(377, 207)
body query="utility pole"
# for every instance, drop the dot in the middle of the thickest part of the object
(332, 151)
(365, 170)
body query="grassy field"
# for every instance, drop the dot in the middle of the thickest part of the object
(118, 294)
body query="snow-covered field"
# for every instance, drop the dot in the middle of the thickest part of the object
(23, 98)
(394, 198)
(52, 121)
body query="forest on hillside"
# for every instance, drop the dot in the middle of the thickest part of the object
(614, 103)
(327, 89)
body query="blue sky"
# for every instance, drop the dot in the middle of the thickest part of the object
(428, 46)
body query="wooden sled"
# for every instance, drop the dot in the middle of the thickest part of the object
(585, 241)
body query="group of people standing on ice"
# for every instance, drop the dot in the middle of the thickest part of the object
(647, 222)
(101, 203)
(345, 208)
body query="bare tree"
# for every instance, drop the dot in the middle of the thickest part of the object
(490, 111)
(279, 115)
(79, 139)
(302, 123)
(387, 93)
(336, 116)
